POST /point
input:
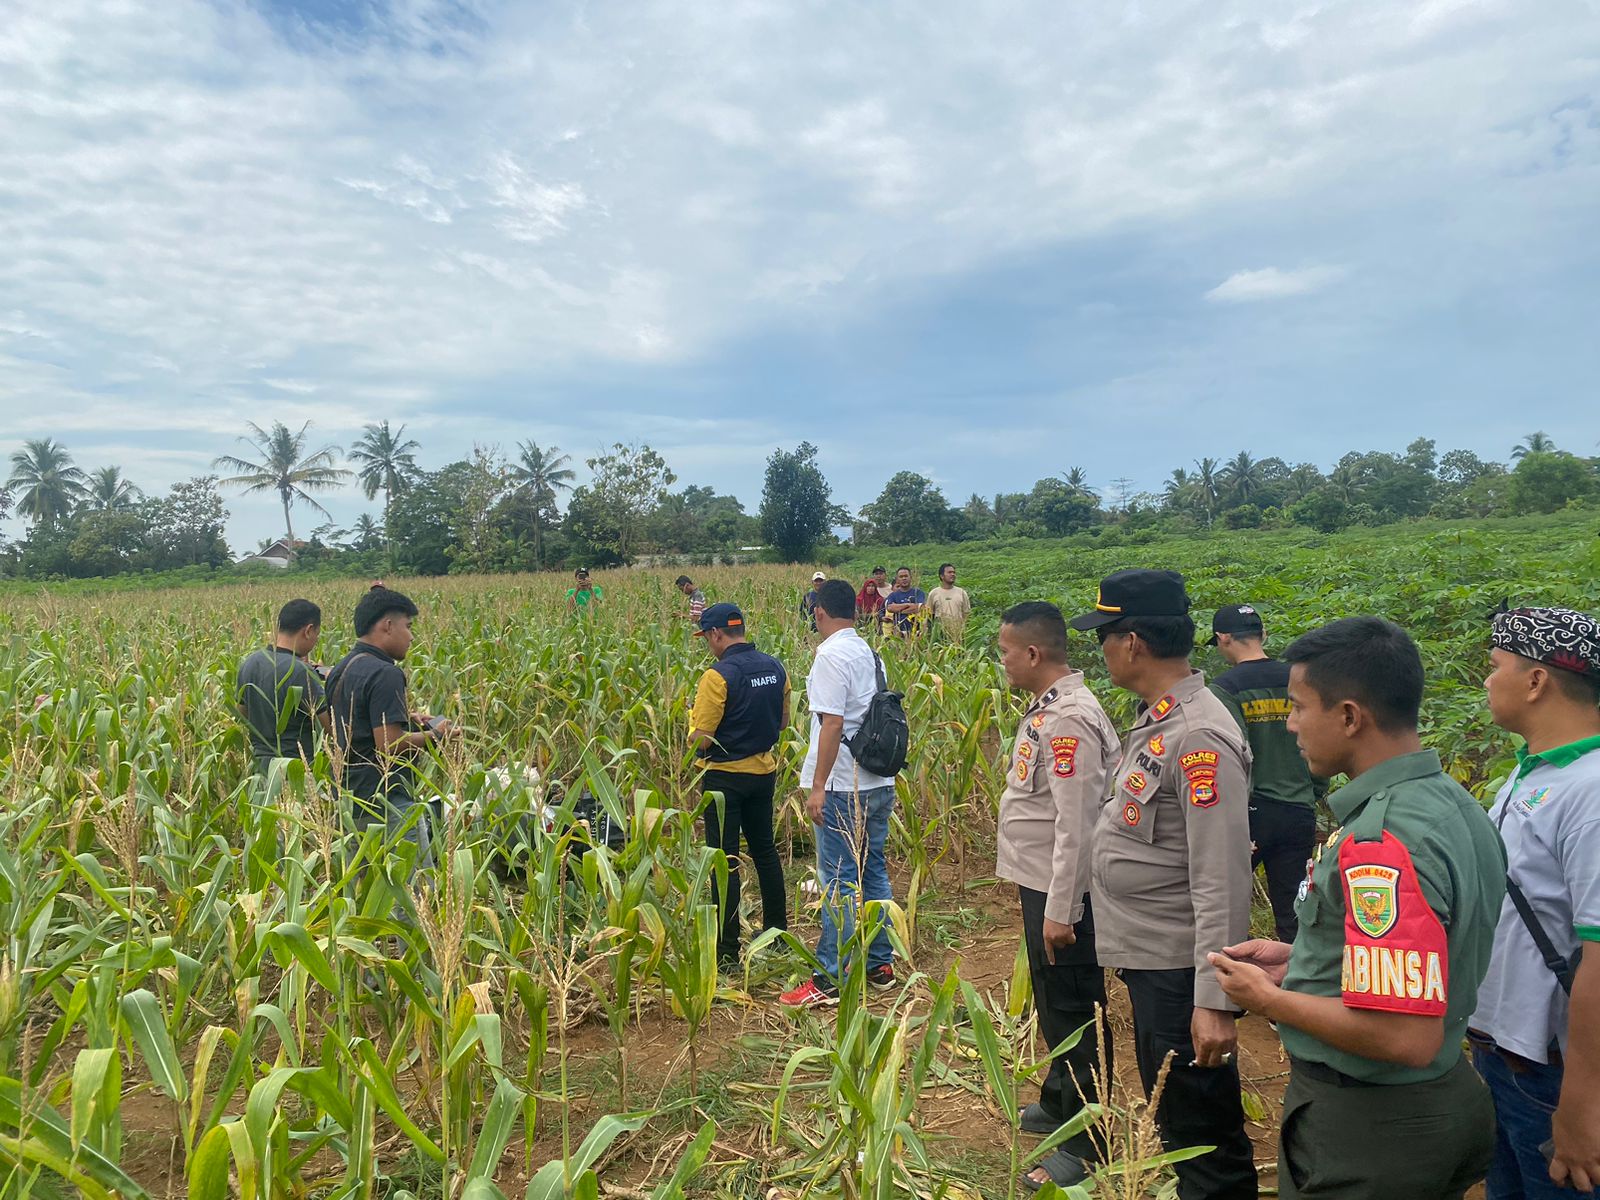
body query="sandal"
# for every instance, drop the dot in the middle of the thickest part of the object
(1064, 1170)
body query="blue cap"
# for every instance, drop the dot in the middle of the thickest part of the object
(721, 616)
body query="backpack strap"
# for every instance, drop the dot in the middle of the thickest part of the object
(1558, 966)
(883, 680)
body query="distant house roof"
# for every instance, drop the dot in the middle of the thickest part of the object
(278, 554)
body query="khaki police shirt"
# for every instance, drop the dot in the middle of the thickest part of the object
(1171, 878)
(1056, 778)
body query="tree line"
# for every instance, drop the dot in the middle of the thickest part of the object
(497, 512)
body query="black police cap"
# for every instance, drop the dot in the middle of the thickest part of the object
(1136, 593)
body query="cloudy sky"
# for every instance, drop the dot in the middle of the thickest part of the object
(982, 241)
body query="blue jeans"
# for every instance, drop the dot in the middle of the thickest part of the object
(852, 870)
(1524, 1101)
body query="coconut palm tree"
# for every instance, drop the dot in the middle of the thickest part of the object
(1243, 477)
(1208, 486)
(541, 474)
(109, 490)
(1537, 442)
(1077, 479)
(386, 463)
(47, 483)
(365, 534)
(285, 468)
(1179, 490)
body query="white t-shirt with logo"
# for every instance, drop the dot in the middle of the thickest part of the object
(842, 682)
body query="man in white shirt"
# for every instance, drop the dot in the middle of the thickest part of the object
(849, 805)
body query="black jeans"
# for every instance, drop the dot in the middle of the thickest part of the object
(1283, 835)
(1064, 995)
(746, 808)
(1200, 1105)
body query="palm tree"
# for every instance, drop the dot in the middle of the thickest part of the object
(365, 533)
(1537, 442)
(109, 490)
(1077, 480)
(541, 473)
(1242, 476)
(48, 483)
(1179, 489)
(1346, 482)
(386, 463)
(285, 468)
(1208, 486)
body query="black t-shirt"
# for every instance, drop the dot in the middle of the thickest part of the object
(367, 689)
(277, 694)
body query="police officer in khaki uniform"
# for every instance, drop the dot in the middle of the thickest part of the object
(1171, 878)
(1056, 777)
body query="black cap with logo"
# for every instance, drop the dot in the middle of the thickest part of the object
(1235, 618)
(1136, 593)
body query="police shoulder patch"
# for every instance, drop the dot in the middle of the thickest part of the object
(1163, 706)
(1065, 750)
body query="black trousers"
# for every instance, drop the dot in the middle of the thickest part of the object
(1283, 835)
(1064, 995)
(1200, 1105)
(746, 809)
(1411, 1141)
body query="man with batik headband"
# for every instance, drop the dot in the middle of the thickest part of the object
(1536, 1032)
(1396, 917)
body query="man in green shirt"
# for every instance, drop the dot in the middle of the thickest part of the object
(1397, 916)
(1283, 794)
(583, 595)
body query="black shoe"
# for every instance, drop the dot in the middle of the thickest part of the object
(881, 977)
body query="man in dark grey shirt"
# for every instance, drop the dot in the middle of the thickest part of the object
(373, 725)
(278, 692)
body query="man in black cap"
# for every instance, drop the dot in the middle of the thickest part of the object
(1283, 794)
(741, 706)
(1536, 1031)
(1171, 876)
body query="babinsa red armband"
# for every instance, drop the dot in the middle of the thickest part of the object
(1396, 957)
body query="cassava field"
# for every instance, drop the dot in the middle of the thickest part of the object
(204, 991)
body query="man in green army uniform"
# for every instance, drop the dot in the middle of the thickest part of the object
(1397, 916)
(1283, 793)
(1171, 875)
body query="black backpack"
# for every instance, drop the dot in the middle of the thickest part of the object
(881, 744)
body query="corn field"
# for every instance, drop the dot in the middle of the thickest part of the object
(207, 988)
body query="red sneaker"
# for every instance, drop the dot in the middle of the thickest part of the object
(808, 995)
(881, 977)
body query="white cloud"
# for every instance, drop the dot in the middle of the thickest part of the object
(1269, 283)
(457, 213)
